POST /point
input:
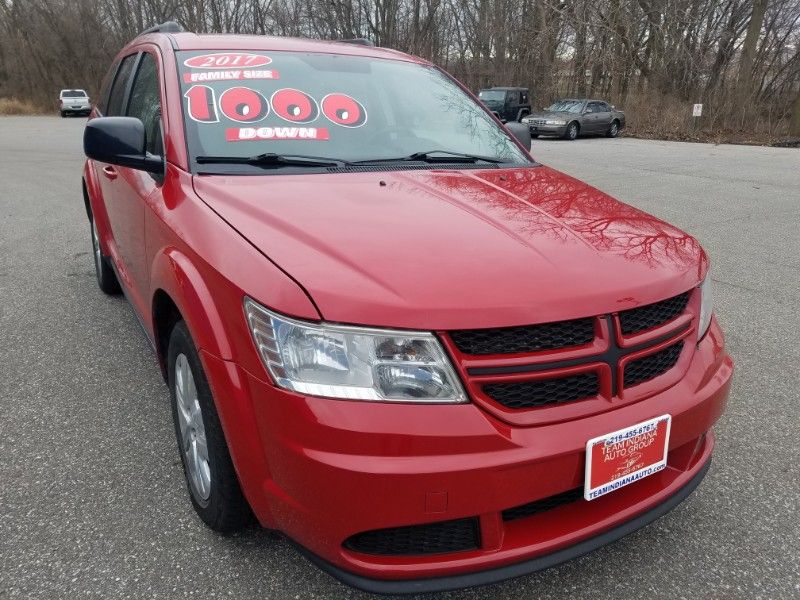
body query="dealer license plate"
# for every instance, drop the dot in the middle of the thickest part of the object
(617, 459)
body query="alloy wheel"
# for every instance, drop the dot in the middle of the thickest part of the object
(193, 433)
(573, 131)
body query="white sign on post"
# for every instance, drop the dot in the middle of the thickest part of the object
(697, 110)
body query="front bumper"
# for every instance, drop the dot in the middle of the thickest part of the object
(557, 130)
(330, 469)
(478, 578)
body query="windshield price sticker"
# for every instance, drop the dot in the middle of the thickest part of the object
(246, 105)
(620, 458)
(245, 134)
(229, 75)
(227, 60)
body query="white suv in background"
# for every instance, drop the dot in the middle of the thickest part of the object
(74, 101)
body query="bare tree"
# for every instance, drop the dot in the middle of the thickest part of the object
(652, 57)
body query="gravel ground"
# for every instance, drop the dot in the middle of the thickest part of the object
(92, 500)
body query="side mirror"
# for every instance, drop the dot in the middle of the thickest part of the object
(521, 132)
(120, 141)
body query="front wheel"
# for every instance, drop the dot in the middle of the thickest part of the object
(213, 485)
(63, 114)
(613, 130)
(106, 278)
(572, 131)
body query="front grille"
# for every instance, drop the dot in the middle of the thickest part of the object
(541, 392)
(527, 338)
(538, 506)
(537, 121)
(433, 538)
(646, 317)
(649, 367)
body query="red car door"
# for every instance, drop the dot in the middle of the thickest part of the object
(135, 93)
(144, 103)
(113, 185)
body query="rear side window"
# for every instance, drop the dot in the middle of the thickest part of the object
(145, 102)
(115, 100)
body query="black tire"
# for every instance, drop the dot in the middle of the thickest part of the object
(63, 114)
(106, 278)
(613, 129)
(524, 112)
(225, 509)
(572, 131)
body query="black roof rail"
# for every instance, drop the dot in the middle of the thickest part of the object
(165, 27)
(358, 42)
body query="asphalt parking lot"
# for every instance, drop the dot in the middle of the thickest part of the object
(92, 498)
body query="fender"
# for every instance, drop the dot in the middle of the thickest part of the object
(176, 275)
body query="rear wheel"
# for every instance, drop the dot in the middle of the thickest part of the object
(213, 485)
(613, 129)
(106, 278)
(63, 114)
(572, 131)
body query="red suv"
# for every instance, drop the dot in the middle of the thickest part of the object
(387, 332)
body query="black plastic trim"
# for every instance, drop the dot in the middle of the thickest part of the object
(455, 582)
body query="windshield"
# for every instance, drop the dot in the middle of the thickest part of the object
(570, 106)
(73, 94)
(492, 95)
(241, 104)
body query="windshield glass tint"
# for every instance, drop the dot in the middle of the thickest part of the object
(73, 94)
(340, 107)
(492, 95)
(571, 106)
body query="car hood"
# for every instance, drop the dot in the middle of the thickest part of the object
(444, 249)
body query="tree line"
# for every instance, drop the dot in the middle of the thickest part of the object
(652, 58)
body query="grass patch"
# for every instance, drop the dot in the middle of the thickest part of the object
(12, 106)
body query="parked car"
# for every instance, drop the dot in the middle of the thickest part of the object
(403, 343)
(71, 102)
(572, 117)
(508, 103)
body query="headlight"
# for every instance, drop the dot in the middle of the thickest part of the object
(352, 362)
(555, 122)
(706, 306)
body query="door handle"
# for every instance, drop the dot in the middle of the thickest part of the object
(110, 172)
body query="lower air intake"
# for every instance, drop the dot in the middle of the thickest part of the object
(432, 538)
(545, 504)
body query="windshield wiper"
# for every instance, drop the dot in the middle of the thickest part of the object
(433, 156)
(270, 158)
